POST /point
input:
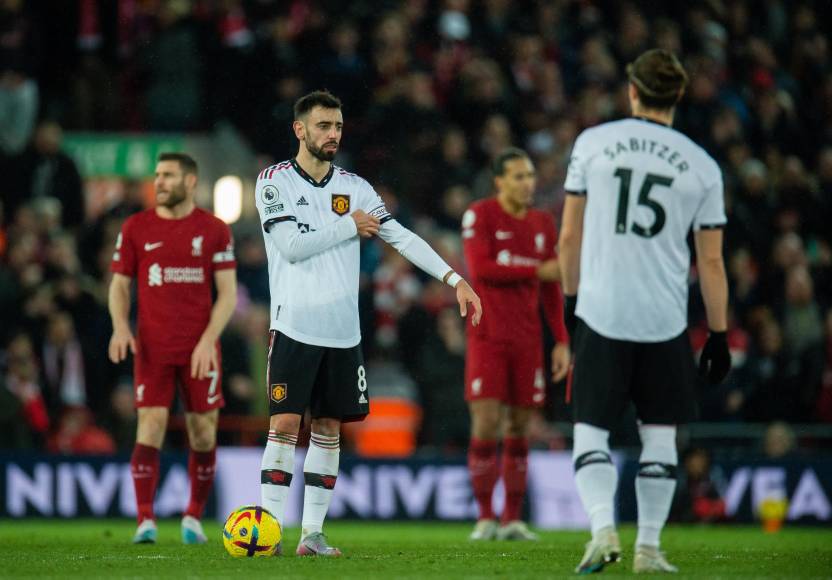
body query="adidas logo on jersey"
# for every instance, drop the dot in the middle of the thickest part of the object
(302, 201)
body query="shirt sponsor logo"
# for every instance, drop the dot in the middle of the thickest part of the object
(340, 203)
(196, 246)
(156, 275)
(269, 195)
(505, 258)
(277, 392)
(153, 246)
(501, 235)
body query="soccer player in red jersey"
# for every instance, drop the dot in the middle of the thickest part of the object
(178, 254)
(510, 254)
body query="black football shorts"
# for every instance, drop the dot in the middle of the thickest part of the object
(658, 377)
(330, 382)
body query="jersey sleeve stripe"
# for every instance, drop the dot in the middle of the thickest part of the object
(269, 223)
(711, 226)
(576, 193)
(223, 257)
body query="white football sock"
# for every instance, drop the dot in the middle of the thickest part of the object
(656, 481)
(320, 470)
(595, 475)
(276, 472)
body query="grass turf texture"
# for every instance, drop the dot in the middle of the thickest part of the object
(90, 548)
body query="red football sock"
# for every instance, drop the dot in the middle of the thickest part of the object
(482, 465)
(144, 465)
(201, 468)
(515, 462)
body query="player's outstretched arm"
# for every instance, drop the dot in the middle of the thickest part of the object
(715, 361)
(118, 302)
(421, 255)
(204, 358)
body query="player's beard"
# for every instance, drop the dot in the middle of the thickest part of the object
(319, 153)
(175, 196)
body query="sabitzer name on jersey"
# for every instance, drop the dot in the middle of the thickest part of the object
(650, 147)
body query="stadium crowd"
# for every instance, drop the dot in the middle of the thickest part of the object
(432, 90)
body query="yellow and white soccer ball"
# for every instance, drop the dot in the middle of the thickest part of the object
(251, 531)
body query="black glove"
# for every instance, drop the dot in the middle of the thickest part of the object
(569, 318)
(715, 361)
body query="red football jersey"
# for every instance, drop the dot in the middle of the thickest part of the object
(502, 254)
(173, 261)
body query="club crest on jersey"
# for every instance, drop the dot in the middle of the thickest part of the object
(269, 195)
(340, 203)
(277, 392)
(196, 246)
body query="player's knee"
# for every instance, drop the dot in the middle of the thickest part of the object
(326, 426)
(591, 445)
(285, 423)
(658, 444)
(485, 425)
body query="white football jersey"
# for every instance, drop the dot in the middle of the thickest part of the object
(646, 185)
(315, 300)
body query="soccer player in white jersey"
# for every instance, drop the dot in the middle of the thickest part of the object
(313, 214)
(636, 188)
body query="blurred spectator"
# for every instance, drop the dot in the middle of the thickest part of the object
(172, 63)
(77, 435)
(18, 105)
(698, 492)
(439, 371)
(778, 441)
(824, 402)
(47, 172)
(65, 382)
(24, 421)
(120, 420)
(252, 269)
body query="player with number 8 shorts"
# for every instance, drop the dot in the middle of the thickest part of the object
(313, 215)
(178, 255)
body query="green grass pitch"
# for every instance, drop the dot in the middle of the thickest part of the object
(90, 548)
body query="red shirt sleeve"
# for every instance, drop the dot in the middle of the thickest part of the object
(222, 256)
(551, 293)
(124, 256)
(477, 239)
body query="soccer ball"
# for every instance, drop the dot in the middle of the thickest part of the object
(251, 531)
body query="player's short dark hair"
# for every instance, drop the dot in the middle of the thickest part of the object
(659, 78)
(186, 162)
(314, 99)
(498, 166)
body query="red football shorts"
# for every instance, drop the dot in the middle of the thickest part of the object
(511, 373)
(155, 383)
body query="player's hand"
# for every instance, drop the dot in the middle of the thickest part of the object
(367, 225)
(715, 361)
(561, 357)
(465, 295)
(120, 342)
(204, 359)
(549, 271)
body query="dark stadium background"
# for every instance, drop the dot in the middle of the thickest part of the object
(92, 90)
